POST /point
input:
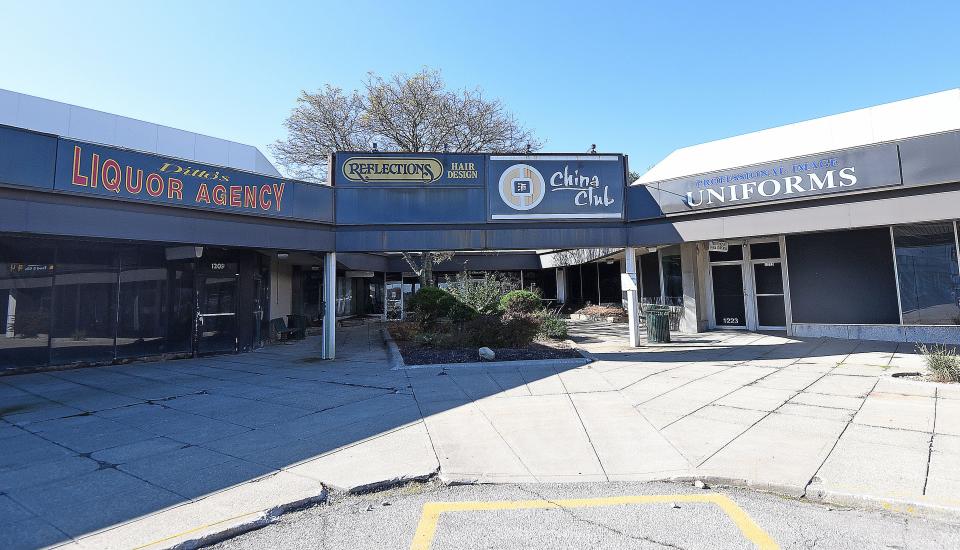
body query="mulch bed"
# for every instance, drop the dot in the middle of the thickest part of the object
(416, 354)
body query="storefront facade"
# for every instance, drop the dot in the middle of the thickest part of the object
(120, 239)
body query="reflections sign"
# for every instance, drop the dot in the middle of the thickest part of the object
(119, 173)
(851, 170)
(555, 187)
(418, 169)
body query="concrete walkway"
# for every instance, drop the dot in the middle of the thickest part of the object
(159, 454)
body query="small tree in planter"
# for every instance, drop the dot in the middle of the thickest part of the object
(481, 293)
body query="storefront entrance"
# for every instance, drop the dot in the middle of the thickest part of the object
(217, 314)
(748, 286)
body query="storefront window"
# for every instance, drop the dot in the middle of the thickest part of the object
(142, 319)
(344, 297)
(672, 276)
(927, 273)
(84, 305)
(650, 277)
(26, 279)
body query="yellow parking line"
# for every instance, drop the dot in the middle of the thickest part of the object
(427, 528)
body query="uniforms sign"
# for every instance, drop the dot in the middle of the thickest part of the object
(555, 187)
(844, 171)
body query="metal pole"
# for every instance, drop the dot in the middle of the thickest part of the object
(633, 308)
(328, 350)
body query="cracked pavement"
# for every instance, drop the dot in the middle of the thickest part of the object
(388, 519)
(151, 454)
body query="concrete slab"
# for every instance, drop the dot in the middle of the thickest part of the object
(948, 417)
(847, 386)
(482, 457)
(626, 443)
(943, 481)
(705, 432)
(402, 454)
(757, 398)
(876, 461)
(545, 431)
(893, 410)
(829, 401)
(780, 452)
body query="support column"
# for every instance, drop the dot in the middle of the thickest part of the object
(630, 286)
(11, 319)
(330, 305)
(561, 285)
(694, 302)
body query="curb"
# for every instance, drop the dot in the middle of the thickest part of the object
(393, 351)
(263, 519)
(815, 495)
(396, 359)
(572, 362)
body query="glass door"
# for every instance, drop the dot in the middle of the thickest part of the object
(729, 305)
(768, 285)
(217, 315)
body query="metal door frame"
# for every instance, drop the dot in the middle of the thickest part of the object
(750, 306)
(201, 276)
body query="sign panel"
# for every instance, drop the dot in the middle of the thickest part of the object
(555, 187)
(123, 174)
(718, 246)
(840, 172)
(406, 169)
(628, 282)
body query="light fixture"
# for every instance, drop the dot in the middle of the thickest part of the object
(283, 255)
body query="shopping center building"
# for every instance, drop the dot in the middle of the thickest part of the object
(122, 239)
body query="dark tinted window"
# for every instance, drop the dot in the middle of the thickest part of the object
(84, 304)
(759, 251)
(842, 277)
(928, 274)
(734, 253)
(26, 282)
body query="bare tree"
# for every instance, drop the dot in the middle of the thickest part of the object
(422, 264)
(404, 113)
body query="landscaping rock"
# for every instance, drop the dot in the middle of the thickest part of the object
(487, 354)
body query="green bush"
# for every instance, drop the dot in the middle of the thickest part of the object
(430, 304)
(461, 312)
(943, 362)
(520, 301)
(553, 327)
(518, 329)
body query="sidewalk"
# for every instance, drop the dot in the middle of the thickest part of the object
(158, 454)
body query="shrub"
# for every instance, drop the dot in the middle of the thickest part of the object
(481, 292)
(430, 304)
(520, 301)
(943, 362)
(553, 327)
(461, 312)
(403, 331)
(518, 329)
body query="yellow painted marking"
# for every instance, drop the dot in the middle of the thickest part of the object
(427, 528)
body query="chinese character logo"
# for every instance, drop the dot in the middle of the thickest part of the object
(522, 187)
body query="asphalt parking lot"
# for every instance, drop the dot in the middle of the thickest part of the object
(615, 515)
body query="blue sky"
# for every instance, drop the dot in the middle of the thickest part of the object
(641, 78)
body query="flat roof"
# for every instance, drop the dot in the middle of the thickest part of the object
(71, 121)
(918, 116)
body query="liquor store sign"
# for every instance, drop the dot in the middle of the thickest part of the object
(119, 173)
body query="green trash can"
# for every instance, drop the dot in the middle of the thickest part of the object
(658, 324)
